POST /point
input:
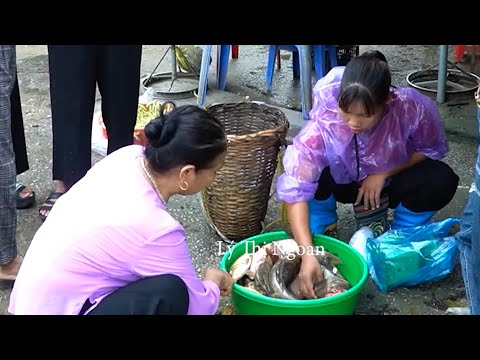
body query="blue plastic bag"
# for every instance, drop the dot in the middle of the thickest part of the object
(412, 256)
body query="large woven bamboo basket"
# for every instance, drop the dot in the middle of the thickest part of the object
(236, 202)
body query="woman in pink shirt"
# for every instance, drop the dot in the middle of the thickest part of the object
(124, 253)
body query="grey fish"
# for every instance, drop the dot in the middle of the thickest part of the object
(331, 280)
(262, 276)
(278, 277)
(241, 266)
(328, 260)
(249, 284)
(336, 280)
(282, 274)
(294, 289)
(331, 283)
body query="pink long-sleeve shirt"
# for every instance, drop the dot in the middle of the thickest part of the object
(107, 231)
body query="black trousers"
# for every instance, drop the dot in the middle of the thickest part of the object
(18, 132)
(426, 186)
(156, 295)
(75, 71)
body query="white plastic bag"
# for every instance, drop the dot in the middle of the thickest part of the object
(99, 142)
(147, 96)
(359, 240)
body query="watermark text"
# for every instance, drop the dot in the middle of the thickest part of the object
(251, 248)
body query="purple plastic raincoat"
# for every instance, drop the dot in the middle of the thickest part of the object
(411, 122)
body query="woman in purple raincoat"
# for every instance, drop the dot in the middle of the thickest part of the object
(370, 144)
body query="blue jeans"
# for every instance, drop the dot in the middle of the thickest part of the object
(468, 240)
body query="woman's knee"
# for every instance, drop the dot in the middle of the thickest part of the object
(433, 185)
(444, 181)
(166, 282)
(172, 293)
(172, 282)
(165, 294)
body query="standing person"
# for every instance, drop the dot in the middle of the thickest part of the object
(129, 259)
(468, 238)
(10, 261)
(367, 144)
(75, 70)
(24, 195)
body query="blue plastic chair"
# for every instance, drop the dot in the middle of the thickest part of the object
(318, 59)
(298, 53)
(301, 61)
(222, 69)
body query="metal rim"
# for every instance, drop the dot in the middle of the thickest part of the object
(167, 76)
(411, 77)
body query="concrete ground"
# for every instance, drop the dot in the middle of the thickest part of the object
(246, 81)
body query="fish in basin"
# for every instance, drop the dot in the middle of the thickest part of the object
(272, 270)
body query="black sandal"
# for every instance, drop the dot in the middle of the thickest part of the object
(48, 204)
(23, 202)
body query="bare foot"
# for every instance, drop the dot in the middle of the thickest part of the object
(24, 196)
(26, 192)
(10, 270)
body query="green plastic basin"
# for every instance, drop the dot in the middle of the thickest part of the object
(353, 268)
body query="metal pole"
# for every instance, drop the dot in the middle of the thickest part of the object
(305, 54)
(174, 61)
(442, 74)
(203, 79)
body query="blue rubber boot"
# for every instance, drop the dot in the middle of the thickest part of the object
(323, 215)
(404, 218)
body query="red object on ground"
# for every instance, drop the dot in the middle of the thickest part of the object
(139, 137)
(461, 49)
(234, 51)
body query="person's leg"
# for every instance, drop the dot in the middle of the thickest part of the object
(72, 92)
(18, 132)
(119, 84)
(468, 239)
(156, 295)
(9, 260)
(24, 195)
(420, 191)
(323, 207)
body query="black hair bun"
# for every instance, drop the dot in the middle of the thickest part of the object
(154, 130)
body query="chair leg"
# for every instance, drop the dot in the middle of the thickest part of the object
(319, 60)
(295, 65)
(305, 54)
(332, 56)
(223, 57)
(203, 78)
(272, 52)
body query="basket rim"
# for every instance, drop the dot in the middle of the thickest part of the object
(280, 129)
(258, 134)
(249, 103)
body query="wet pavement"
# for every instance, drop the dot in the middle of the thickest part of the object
(246, 78)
